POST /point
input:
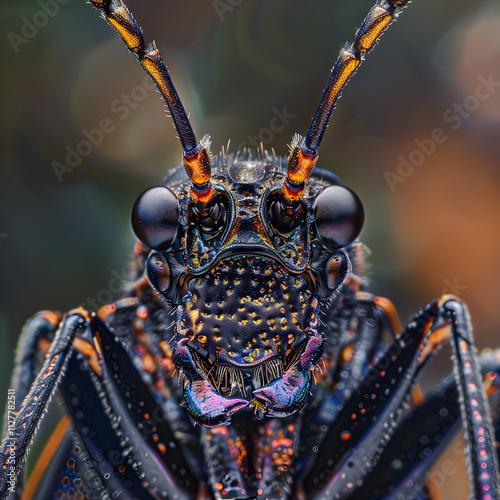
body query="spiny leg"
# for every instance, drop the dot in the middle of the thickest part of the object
(101, 432)
(21, 429)
(35, 339)
(368, 420)
(418, 442)
(482, 460)
(34, 342)
(415, 446)
(131, 426)
(362, 321)
(64, 469)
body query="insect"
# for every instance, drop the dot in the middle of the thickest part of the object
(232, 378)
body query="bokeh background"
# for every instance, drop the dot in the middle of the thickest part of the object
(63, 240)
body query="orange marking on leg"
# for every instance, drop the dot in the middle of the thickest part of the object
(43, 345)
(417, 395)
(489, 385)
(80, 311)
(53, 317)
(390, 311)
(105, 311)
(90, 354)
(388, 307)
(46, 457)
(436, 338)
(51, 367)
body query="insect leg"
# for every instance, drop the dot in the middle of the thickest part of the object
(130, 434)
(482, 460)
(418, 442)
(362, 321)
(368, 419)
(64, 468)
(34, 343)
(19, 435)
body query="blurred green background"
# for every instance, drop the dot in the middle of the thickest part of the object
(62, 240)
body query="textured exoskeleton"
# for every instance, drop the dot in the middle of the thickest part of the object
(247, 284)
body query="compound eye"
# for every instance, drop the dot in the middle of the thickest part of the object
(339, 216)
(155, 217)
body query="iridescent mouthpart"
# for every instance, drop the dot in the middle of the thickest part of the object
(248, 332)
